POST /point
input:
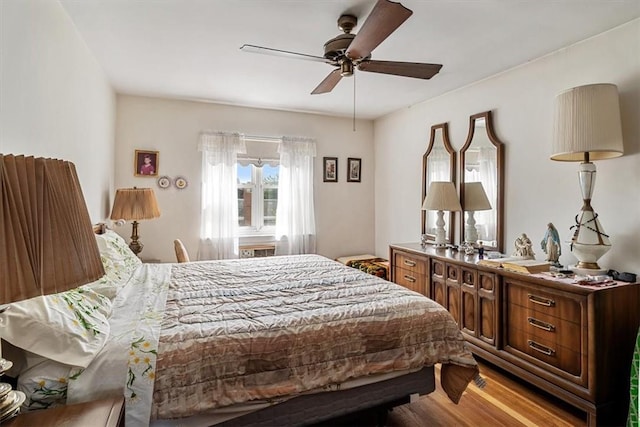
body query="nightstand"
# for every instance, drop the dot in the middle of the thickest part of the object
(105, 412)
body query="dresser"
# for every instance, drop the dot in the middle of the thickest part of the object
(570, 340)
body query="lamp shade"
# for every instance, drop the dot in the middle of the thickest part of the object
(47, 243)
(475, 198)
(441, 196)
(135, 204)
(587, 120)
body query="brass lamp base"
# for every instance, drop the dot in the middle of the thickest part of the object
(135, 245)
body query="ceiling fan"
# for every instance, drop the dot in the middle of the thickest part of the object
(349, 51)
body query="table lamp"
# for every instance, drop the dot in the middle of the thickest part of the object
(475, 199)
(47, 243)
(441, 196)
(135, 204)
(587, 127)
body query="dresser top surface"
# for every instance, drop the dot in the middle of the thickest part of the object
(460, 257)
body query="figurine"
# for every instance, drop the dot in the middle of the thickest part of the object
(551, 245)
(523, 247)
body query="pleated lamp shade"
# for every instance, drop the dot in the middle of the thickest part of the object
(587, 120)
(47, 243)
(441, 196)
(475, 198)
(135, 204)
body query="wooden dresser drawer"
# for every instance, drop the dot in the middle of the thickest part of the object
(411, 263)
(547, 351)
(548, 327)
(546, 338)
(556, 305)
(411, 280)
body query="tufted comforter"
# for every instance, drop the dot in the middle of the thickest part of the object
(238, 330)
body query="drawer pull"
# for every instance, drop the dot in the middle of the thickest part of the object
(540, 324)
(409, 278)
(409, 263)
(542, 301)
(541, 348)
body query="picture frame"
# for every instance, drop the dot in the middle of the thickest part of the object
(330, 169)
(146, 163)
(354, 167)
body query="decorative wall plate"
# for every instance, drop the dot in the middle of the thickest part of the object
(164, 182)
(181, 182)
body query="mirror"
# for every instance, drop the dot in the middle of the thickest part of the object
(482, 161)
(438, 164)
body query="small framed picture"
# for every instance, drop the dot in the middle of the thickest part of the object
(145, 163)
(353, 171)
(330, 168)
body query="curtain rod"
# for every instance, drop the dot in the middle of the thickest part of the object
(263, 138)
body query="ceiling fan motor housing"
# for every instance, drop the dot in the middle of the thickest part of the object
(334, 49)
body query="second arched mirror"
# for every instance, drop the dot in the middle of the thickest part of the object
(438, 164)
(482, 185)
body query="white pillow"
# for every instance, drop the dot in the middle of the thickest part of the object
(121, 261)
(118, 261)
(69, 327)
(44, 382)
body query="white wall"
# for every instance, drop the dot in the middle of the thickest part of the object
(344, 211)
(538, 190)
(55, 99)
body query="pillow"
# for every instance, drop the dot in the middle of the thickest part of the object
(118, 262)
(69, 327)
(44, 382)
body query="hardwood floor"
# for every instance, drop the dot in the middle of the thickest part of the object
(504, 401)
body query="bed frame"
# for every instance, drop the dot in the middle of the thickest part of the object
(346, 407)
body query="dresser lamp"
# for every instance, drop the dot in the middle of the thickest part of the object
(47, 243)
(441, 196)
(475, 199)
(135, 204)
(587, 127)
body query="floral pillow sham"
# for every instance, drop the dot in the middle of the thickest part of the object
(69, 327)
(118, 261)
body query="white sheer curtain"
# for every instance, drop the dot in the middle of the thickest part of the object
(295, 219)
(488, 176)
(219, 205)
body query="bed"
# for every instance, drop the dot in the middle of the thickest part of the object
(287, 340)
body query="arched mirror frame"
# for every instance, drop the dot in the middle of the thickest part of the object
(499, 178)
(450, 232)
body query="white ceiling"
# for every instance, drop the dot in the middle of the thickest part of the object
(189, 49)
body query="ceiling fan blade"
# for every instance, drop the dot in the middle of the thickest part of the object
(405, 69)
(383, 20)
(328, 83)
(277, 52)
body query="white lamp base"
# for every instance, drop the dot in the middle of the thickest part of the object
(470, 230)
(441, 240)
(579, 271)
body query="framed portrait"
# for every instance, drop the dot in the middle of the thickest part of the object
(145, 163)
(353, 171)
(330, 168)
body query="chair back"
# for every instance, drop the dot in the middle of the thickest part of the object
(181, 252)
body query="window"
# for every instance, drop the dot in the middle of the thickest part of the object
(257, 198)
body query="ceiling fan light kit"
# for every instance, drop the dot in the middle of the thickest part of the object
(348, 51)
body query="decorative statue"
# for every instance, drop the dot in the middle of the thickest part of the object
(523, 247)
(551, 245)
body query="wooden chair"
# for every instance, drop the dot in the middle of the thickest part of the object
(181, 252)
